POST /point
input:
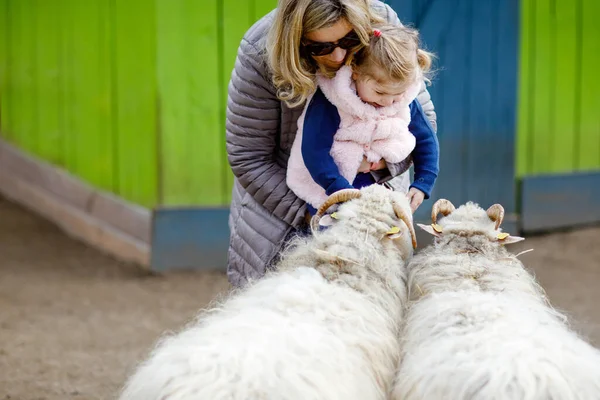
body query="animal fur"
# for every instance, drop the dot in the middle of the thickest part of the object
(323, 326)
(480, 326)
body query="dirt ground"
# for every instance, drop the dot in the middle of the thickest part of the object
(73, 322)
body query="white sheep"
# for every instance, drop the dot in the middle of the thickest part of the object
(324, 325)
(480, 327)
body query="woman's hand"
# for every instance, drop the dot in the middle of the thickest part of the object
(416, 197)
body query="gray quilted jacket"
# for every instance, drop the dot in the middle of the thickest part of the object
(260, 132)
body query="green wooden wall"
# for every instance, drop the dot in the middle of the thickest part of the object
(559, 99)
(129, 95)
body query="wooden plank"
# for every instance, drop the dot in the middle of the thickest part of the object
(67, 83)
(526, 87)
(5, 53)
(189, 91)
(504, 103)
(541, 148)
(588, 145)
(482, 139)
(447, 32)
(190, 238)
(560, 201)
(134, 100)
(49, 135)
(23, 93)
(131, 219)
(236, 20)
(565, 80)
(74, 221)
(90, 144)
(172, 91)
(64, 187)
(27, 168)
(204, 126)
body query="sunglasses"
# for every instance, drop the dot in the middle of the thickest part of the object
(324, 48)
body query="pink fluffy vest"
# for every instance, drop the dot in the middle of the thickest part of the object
(364, 131)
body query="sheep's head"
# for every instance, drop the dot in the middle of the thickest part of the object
(468, 220)
(375, 209)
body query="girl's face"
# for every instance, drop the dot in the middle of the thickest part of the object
(340, 33)
(378, 93)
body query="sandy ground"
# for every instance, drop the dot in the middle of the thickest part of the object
(73, 322)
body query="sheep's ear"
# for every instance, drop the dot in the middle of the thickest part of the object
(429, 229)
(326, 220)
(394, 232)
(506, 238)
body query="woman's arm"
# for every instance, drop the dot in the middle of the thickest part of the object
(252, 127)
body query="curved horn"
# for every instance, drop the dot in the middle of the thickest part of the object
(441, 206)
(408, 221)
(496, 214)
(338, 197)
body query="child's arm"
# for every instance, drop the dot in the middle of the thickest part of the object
(426, 152)
(321, 122)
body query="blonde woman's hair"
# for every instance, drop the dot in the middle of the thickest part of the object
(294, 74)
(394, 54)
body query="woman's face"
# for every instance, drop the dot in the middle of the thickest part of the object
(331, 34)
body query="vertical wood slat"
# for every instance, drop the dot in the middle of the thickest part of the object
(544, 72)
(588, 116)
(23, 90)
(188, 80)
(172, 98)
(505, 101)
(67, 92)
(204, 94)
(237, 18)
(566, 75)
(90, 141)
(49, 135)
(526, 82)
(483, 139)
(134, 100)
(5, 37)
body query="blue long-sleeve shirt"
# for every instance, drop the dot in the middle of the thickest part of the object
(322, 121)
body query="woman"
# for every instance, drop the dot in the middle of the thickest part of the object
(273, 76)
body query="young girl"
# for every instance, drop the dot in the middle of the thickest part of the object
(364, 117)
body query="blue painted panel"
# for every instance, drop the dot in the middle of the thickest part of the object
(560, 201)
(475, 95)
(190, 238)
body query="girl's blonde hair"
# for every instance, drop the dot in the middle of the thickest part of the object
(393, 53)
(294, 74)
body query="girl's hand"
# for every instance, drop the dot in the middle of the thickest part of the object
(381, 164)
(416, 197)
(365, 166)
